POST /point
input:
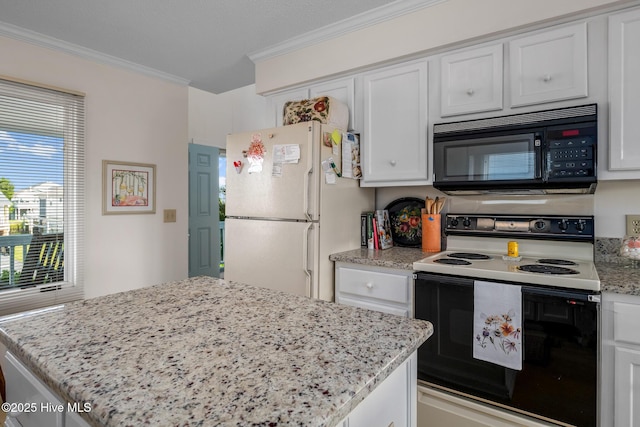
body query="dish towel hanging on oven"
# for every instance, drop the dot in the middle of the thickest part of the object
(497, 324)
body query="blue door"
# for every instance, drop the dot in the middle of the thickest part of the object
(204, 231)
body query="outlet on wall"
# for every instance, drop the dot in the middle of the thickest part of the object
(633, 225)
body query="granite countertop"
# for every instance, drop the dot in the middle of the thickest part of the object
(619, 278)
(208, 352)
(616, 275)
(395, 257)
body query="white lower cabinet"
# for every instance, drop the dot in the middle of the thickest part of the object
(375, 288)
(392, 403)
(620, 375)
(35, 404)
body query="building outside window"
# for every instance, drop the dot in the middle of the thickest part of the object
(41, 196)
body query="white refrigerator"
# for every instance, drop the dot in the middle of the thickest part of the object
(285, 214)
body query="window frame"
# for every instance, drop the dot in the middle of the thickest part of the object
(72, 106)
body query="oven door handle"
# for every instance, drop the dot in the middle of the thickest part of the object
(575, 296)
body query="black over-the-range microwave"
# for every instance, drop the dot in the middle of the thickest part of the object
(543, 152)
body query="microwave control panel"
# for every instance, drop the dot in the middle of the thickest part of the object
(571, 153)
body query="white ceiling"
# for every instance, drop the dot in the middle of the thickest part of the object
(204, 43)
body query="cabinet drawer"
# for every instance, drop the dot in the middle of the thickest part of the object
(375, 284)
(23, 387)
(626, 318)
(373, 306)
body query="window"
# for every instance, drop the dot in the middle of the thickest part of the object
(41, 196)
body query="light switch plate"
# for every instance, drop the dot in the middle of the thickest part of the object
(169, 215)
(633, 225)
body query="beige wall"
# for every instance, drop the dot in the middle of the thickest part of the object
(129, 117)
(446, 23)
(213, 116)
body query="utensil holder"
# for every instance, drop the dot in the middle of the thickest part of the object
(431, 233)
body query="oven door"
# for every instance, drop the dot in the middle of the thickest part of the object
(558, 379)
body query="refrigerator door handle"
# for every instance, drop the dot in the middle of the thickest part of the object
(305, 259)
(306, 195)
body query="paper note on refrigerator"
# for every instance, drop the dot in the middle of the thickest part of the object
(351, 156)
(288, 153)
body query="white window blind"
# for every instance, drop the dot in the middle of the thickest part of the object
(41, 196)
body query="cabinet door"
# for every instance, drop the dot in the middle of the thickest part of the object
(393, 402)
(275, 104)
(471, 81)
(624, 91)
(549, 66)
(343, 90)
(41, 406)
(627, 392)
(394, 151)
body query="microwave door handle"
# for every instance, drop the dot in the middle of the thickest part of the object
(537, 149)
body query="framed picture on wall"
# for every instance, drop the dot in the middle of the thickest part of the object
(128, 188)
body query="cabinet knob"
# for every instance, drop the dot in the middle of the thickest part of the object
(546, 78)
(369, 285)
(470, 92)
(392, 162)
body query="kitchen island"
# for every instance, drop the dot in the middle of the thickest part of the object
(208, 352)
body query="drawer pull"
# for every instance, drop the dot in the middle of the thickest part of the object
(369, 285)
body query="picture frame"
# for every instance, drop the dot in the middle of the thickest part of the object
(128, 188)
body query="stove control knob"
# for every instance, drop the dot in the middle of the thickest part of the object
(466, 222)
(580, 226)
(539, 225)
(563, 225)
(454, 222)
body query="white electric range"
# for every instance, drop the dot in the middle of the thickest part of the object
(559, 315)
(553, 251)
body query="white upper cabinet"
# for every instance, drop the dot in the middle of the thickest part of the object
(471, 81)
(275, 104)
(344, 91)
(624, 91)
(341, 89)
(394, 143)
(549, 66)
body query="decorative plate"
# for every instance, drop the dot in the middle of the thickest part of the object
(406, 221)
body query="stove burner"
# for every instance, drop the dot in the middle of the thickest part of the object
(468, 255)
(452, 261)
(556, 261)
(547, 269)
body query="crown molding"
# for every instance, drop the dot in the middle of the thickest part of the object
(345, 26)
(21, 34)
